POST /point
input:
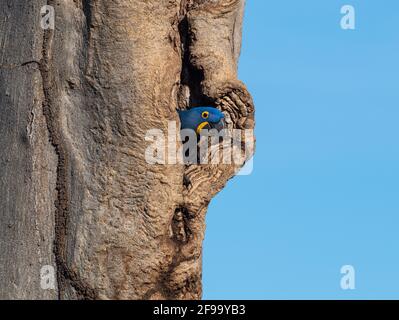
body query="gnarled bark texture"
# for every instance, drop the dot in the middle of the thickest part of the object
(76, 103)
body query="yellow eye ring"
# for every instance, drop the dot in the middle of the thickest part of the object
(205, 114)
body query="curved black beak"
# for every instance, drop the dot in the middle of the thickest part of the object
(219, 126)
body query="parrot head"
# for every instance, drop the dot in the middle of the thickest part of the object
(199, 118)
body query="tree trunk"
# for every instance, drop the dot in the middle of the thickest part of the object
(76, 191)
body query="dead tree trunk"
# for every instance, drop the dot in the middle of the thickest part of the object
(76, 102)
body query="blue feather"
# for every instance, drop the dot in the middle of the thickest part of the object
(192, 118)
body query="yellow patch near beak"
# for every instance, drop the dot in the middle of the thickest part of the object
(201, 126)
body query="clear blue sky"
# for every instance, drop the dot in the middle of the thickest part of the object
(325, 187)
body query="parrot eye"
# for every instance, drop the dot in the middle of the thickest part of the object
(205, 114)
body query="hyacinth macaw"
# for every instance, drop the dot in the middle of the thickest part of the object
(200, 118)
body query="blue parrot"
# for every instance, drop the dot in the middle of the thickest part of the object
(199, 118)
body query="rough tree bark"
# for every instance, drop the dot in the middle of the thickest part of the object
(75, 105)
